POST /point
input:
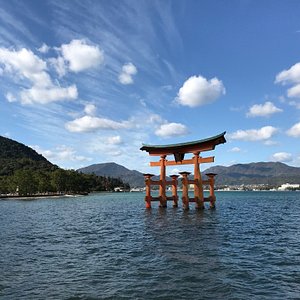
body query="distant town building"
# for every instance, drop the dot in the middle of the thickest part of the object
(288, 186)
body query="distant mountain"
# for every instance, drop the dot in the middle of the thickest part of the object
(15, 156)
(274, 173)
(132, 177)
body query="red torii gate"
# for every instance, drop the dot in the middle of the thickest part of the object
(179, 151)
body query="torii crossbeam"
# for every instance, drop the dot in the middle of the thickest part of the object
(179, 151)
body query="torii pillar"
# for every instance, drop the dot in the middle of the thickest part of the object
(174, 190)
(148, 196)
(162, 186)
(185, 189)
(198, 187)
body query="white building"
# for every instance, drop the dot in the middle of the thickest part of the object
(287, 186)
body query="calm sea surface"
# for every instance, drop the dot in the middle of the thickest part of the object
(107, 246)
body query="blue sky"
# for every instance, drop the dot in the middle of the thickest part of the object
(86, 82)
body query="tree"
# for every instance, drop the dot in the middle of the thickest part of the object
(25, 182)
(58, 180)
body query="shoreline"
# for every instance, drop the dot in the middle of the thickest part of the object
(41, 196)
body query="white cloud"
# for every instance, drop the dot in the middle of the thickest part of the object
(171, 129)
(291, 75)
(116, 153)
(114, 140)
(155, 119)
(295, 104)
(263, 110)
(10, 97)
(24, 64)
(60, 154)
(89, 124)
(253, 135)
(235, 149)
(197, 91)
(282, 157)
(90, 109)
(128, 70)
(294, 131)
(68, 153)
(81, 56)
(270, 143)
(48, 94)
(59, 65)
(294, 92)
(143, 102)
(44, 48)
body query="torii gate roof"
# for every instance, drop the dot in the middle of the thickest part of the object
(190, 147)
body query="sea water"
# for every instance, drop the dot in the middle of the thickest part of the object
(108, 246)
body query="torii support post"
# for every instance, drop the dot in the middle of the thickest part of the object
(212, 196)
(174, 190)
(198, 187)
(148, 196)
(162, 186)
(185, 189)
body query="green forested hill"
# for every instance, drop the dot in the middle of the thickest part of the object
(10, 149)
(24, 171)
(15, 156)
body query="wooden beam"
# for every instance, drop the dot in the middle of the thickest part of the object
(191, 181)
(172, 163)
(155, 182)
(190, 149)
(183, 162)
(209, 159)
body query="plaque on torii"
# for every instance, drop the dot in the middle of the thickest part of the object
(179, 151)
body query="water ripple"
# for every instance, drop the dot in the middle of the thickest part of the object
(107, 246)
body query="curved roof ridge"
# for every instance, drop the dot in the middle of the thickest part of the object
(213, 141)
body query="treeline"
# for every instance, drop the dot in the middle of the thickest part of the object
(29, 182)
(9, 166)
(25, 172)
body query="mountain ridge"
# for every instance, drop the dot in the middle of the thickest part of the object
(273, 173)
(132, 177)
